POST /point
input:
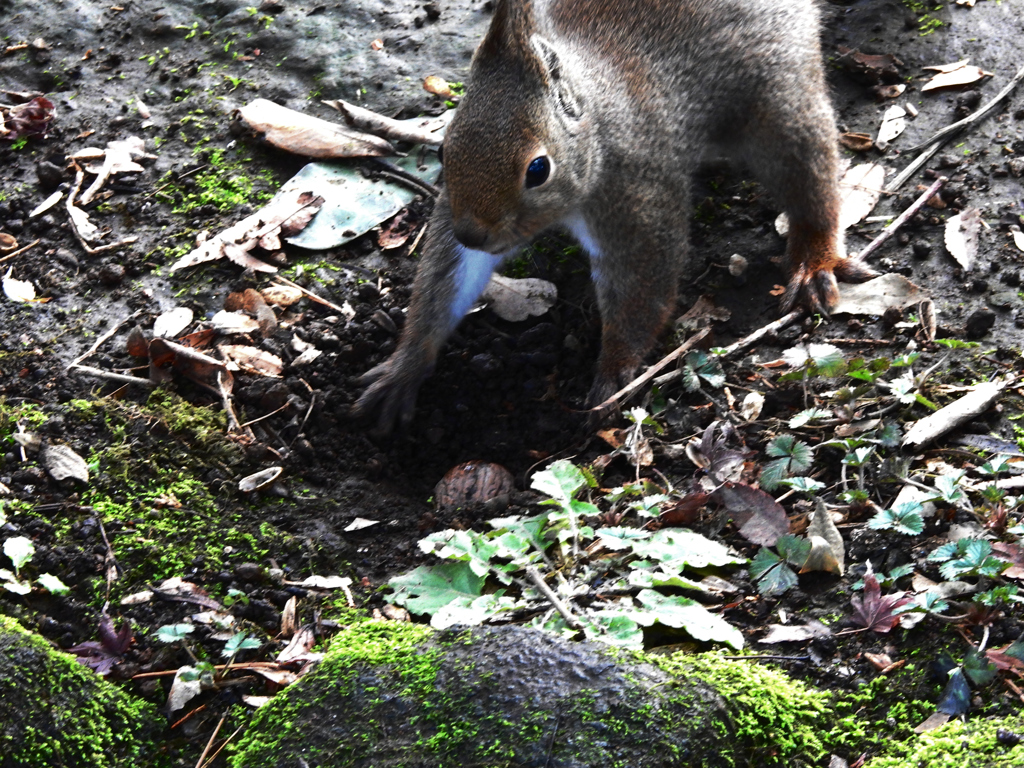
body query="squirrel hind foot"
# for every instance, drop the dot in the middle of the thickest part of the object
(817, 290)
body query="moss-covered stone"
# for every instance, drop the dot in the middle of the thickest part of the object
(401, 695)
(957, 744)
(55, 712)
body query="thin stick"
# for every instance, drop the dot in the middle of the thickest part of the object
(913, 168)
(902, 219)
(235, 667)
(403, 176)
(765, 658)
(636, 384)
(974, 116)
(544, 589)
(225, 399)
(213, 738)
(264, 416)
(100, 341)
(20, 251)
(119, 377)
(79, 178)
(226, 742)
(310, 294)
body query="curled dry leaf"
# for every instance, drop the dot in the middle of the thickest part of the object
(33, 118)
(828, 553)
(857, 142)
(284, 215)
(760, 518)
(281, 295)
(703, 313)
(118, 157)
(63, 463)
(750, 410)
(954, 75)
(47, 204)
(870, 68)
(259, 480)
(961, 236)
(307, 135)
(20, 291)
(8, 242)
(1018, 237)
(252, 302)
(416, 131)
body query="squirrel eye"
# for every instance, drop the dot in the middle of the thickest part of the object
(440, 153)
(538, 171)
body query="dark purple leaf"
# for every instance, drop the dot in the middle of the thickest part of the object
(875, 611)
(103, 654)
(30, 119)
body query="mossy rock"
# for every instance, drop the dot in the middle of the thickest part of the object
(974, 744)
(55, 712)
(390, 694)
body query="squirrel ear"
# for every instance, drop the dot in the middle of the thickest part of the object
(560, 86)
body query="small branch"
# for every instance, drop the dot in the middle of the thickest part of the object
(638, 383)
(902, 219)
(20, 251)
(100, 341)
(765, 658)
(310, 294)
(227, 741)
(544, 589)
(404, 177)
(118, 377)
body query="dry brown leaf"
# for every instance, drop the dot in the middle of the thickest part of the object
(894, 122)
(857, 142)
(253, 360)
(859, 190)
(876, 296)
(252, 302)
(172, 322)
(416, 131)
(954, 75)
(281, 295)
(473, 482)
(309, 136)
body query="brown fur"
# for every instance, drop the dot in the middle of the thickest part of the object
(623, 97)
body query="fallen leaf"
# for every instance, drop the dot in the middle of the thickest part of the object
(859, 191)
(954, 75)
(281, 295)
(750, 409)
(703, 313)
(32, 118)
(20, 291)
(894, 122)
(252, 302)
(1018, 237)
(877, 295)
(438, 86)
(63, 463)
(253, 360)
(183, 690)
(165, 356)
(47, 204)
(418, 130)
(103, 654)
(870, 68)
(229, 323)
(857, 142)
(874, 611)
(176, 588)
(797, 633)
(828, 553)
(118, 157)
(961, 236)
(309, 136)
(359, 524)
(259, 480)
(759, 517)
(171, 323)
(515, 299)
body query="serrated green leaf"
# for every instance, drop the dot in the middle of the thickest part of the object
(680, 548)
(646, 574)
(172, 633)
(619, 538)
(239, 642)
(472, 612)
(772, 474)
(561, 480)
(978, 668)
(807, 416)
(803, 484)
(763, 561)
(428, 588)
(905, 517)
(793, 549)
(687, 614)
(470, 546)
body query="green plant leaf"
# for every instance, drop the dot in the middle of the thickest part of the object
(20, 550)
(772, 575)
(680, 547)
(12, 584)
(807, 416)
(239, 642)
(978, 668)
(687, 614)
(905, 517)
(803, 484)
(469, 546)
(52, 584)
(472, 611)
(428, 588)
(561, 480)
(172, 633)
(621, 538)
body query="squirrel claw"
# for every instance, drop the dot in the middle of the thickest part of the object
(818, 290)
(391, 395)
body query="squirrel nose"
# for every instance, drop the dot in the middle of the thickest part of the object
(470, 233)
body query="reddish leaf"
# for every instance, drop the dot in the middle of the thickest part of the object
(102, 655)
(30, 119)
(873, 611)
(760, 518)
(686, 511)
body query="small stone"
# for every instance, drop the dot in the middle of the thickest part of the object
(111, 274)
(252, 572)
(921, 250)
(50, 176)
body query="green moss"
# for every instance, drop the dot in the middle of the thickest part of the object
(957, 744)
(55, 712)
(225, 184)
(775, 718)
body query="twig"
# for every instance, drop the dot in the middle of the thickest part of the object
(760, 333)
(310, 294)
(264, 416)
(219, 667)
(79, 178)
(109, 559)
(941, 137)
(544, 589)
(389, 169)
(638, 383)
(416, 240)
(99, 342)
(765, 658)
(20, 251)
(101, 374)
(213, 738)
(225, 399)
(902, 219)
(227, 741)
(188, 715)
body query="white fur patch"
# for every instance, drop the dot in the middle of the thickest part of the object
(472, 273)
(579, 229)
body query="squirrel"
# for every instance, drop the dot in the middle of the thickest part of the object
(591, 115)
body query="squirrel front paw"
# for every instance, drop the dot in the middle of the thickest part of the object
(391, 390)
(815, 287)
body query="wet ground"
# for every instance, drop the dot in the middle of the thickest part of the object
(510, 393)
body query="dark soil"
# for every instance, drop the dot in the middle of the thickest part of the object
(163, 487)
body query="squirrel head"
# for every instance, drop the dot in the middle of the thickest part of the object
(516, 156)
